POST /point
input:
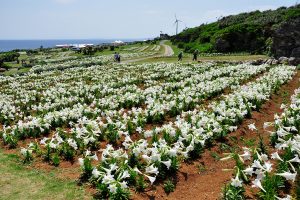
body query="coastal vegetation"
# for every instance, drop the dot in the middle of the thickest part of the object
(246, 32)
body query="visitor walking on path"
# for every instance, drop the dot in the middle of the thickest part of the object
(180, 55)
(195, 55)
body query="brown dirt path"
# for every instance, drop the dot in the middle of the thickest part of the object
(207, 185)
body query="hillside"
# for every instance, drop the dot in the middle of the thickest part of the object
(251, 32)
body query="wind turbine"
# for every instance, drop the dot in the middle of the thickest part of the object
(176, 23)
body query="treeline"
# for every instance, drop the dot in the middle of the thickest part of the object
(8, 57)
(246, 32)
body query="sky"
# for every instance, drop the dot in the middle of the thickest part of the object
(107, 19)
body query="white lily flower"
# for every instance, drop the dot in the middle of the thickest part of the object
(108, 179)
(296, 159)
(94, 157)
(282, 106)
(87, 153)
(151, 179)
(276, 156)
(264, 157)
(137, 170)
(173, 152)
(24, 151)
(236, 182)
(268, 166)
(81, 162)
(246, 155)
(152, 170)
(266, 125)
(252, 127)
(112, 188)
(123, 184)
(257, 183)
(125, 174)
(257, 164)
(167, 163)
(249, 171)
(288, 176)
(96, 173)
(288, 197)
(260, 174)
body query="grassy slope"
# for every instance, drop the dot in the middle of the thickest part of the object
(245, 32)
(17, 182)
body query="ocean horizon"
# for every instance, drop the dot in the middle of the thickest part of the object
(9, 45)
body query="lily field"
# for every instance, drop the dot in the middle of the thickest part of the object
(150, 130)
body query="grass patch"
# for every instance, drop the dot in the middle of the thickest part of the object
(17, 182)
(249, 143)
(201, 167)
(16, 71)
(215, 156)
(187, 58)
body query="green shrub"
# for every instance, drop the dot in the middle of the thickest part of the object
(169, 186)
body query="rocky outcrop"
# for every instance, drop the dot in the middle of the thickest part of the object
(296, 51)
(286, 40)
(283, 60)
(294, 61)
(222, 45)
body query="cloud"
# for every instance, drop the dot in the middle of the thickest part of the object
(64, 1)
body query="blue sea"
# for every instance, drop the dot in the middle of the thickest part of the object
(8, 45)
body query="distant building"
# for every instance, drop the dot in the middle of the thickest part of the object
(75, 49)
(118, 43)
(73, 46)
(164, 36)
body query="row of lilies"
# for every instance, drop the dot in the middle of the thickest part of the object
(272, 171)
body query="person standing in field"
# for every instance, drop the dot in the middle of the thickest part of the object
(180, 55)
(119, 58)
(116, 57)
(195, 55)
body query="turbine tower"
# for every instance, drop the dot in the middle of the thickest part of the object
(176, 23)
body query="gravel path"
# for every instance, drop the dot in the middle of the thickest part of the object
(168, 50)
